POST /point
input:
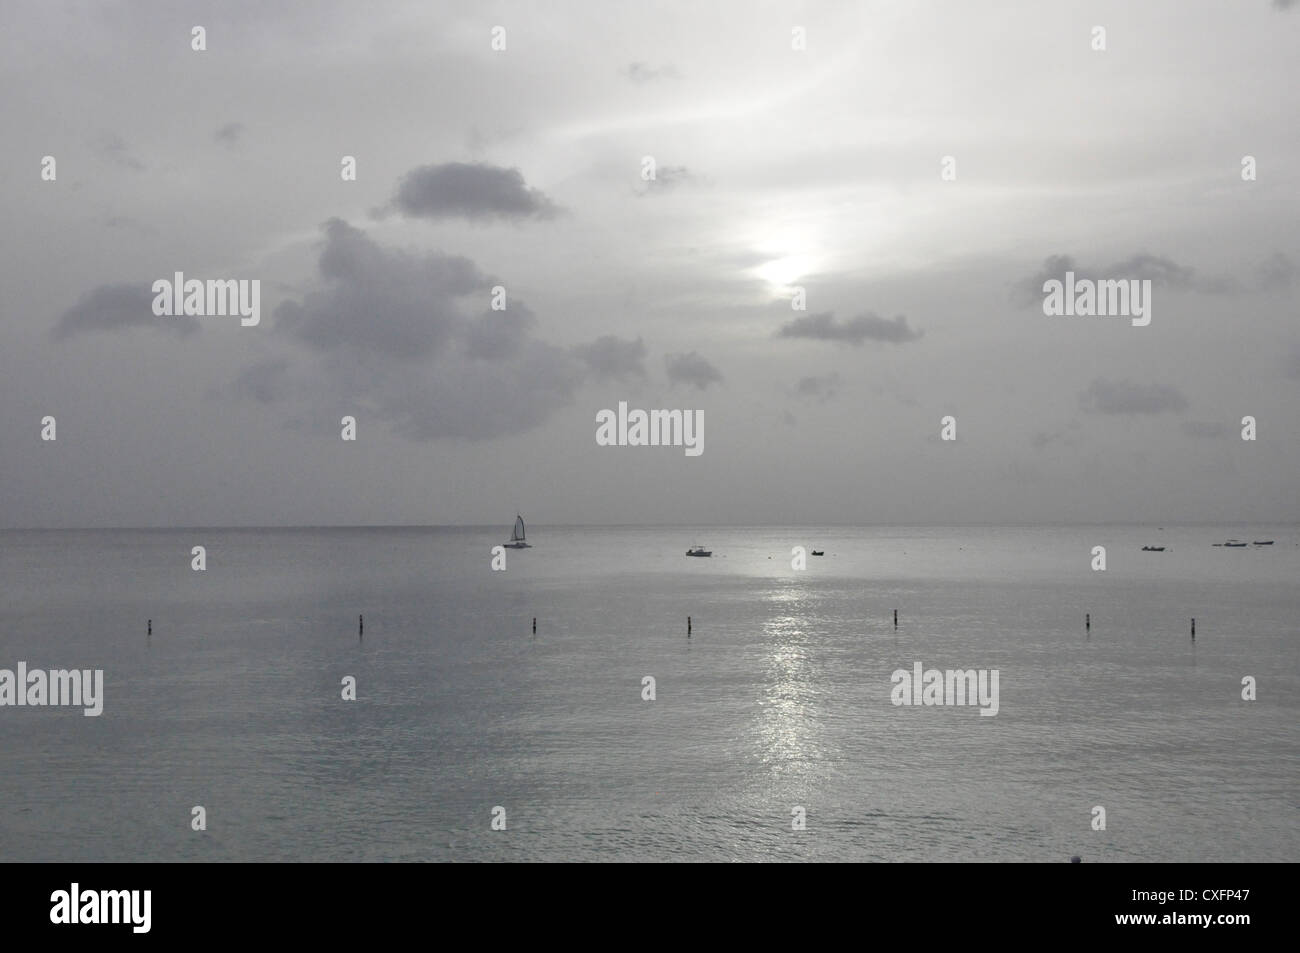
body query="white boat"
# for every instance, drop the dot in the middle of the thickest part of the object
(517, 540)
(699, 551)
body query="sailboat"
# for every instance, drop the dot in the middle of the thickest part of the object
(517, 535)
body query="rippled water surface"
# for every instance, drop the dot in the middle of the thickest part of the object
(779, 699)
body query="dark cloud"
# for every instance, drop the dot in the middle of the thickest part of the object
(113, 148)
(398, 336)
(476, 191)
(1292, 369)
(264, 382)
(1206, 429)
(127, 223)
(461, 401)
(380, 300)
(1127, 397)
(114, 307)
(644, 73)
(821, 388)
(497, 334)
(1277, 273)
(613, 358)
(666, 178)
(1161, 272)
(691, 369)
(865, 327)
(230, 133)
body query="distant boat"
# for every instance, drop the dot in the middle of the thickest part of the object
(517, 540)
(819, 552)
(699, 551)
(1267, 542)
(1233, 544)
(1153, 549)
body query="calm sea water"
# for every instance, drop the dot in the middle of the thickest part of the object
(779, 699)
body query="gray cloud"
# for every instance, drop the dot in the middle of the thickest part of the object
(1292, 367)
(1207, 429)
(264, 381)
(379, 300)
(1127, 397)
(393, 336)
(613, 358)
(666, 178)
(822, 388)
(229, 134)
(691, 369)
(112, 147)
(497, 334)
(1162, 273)
(1277, 273)
(115, 307)
(461, 401)
(865, 327)
(644, 73)
(475, 191)
(127, 223)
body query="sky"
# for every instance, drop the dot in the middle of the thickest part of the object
(911, 173)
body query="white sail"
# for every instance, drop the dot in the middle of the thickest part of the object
(517, 535)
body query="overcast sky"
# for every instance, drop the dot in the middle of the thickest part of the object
(776, 168)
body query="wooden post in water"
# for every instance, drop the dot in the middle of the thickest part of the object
(361, 626)
(895, 618)
(534, 625)
(1087, 621)
(688, 626)
(1193, 630)
(150, 632)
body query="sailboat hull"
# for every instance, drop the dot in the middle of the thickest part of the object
(518, 545)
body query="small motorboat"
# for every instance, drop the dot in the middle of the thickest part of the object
(699, 551)
(1233, 544)
(1153, 549)
(1267, 542)
(819, 552)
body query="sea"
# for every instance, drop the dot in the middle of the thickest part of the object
(768, 732)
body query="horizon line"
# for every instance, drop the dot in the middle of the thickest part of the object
(305, 526)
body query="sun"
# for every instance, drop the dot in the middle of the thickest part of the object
(785, 271)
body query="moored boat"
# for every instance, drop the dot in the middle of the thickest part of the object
(517, 540)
